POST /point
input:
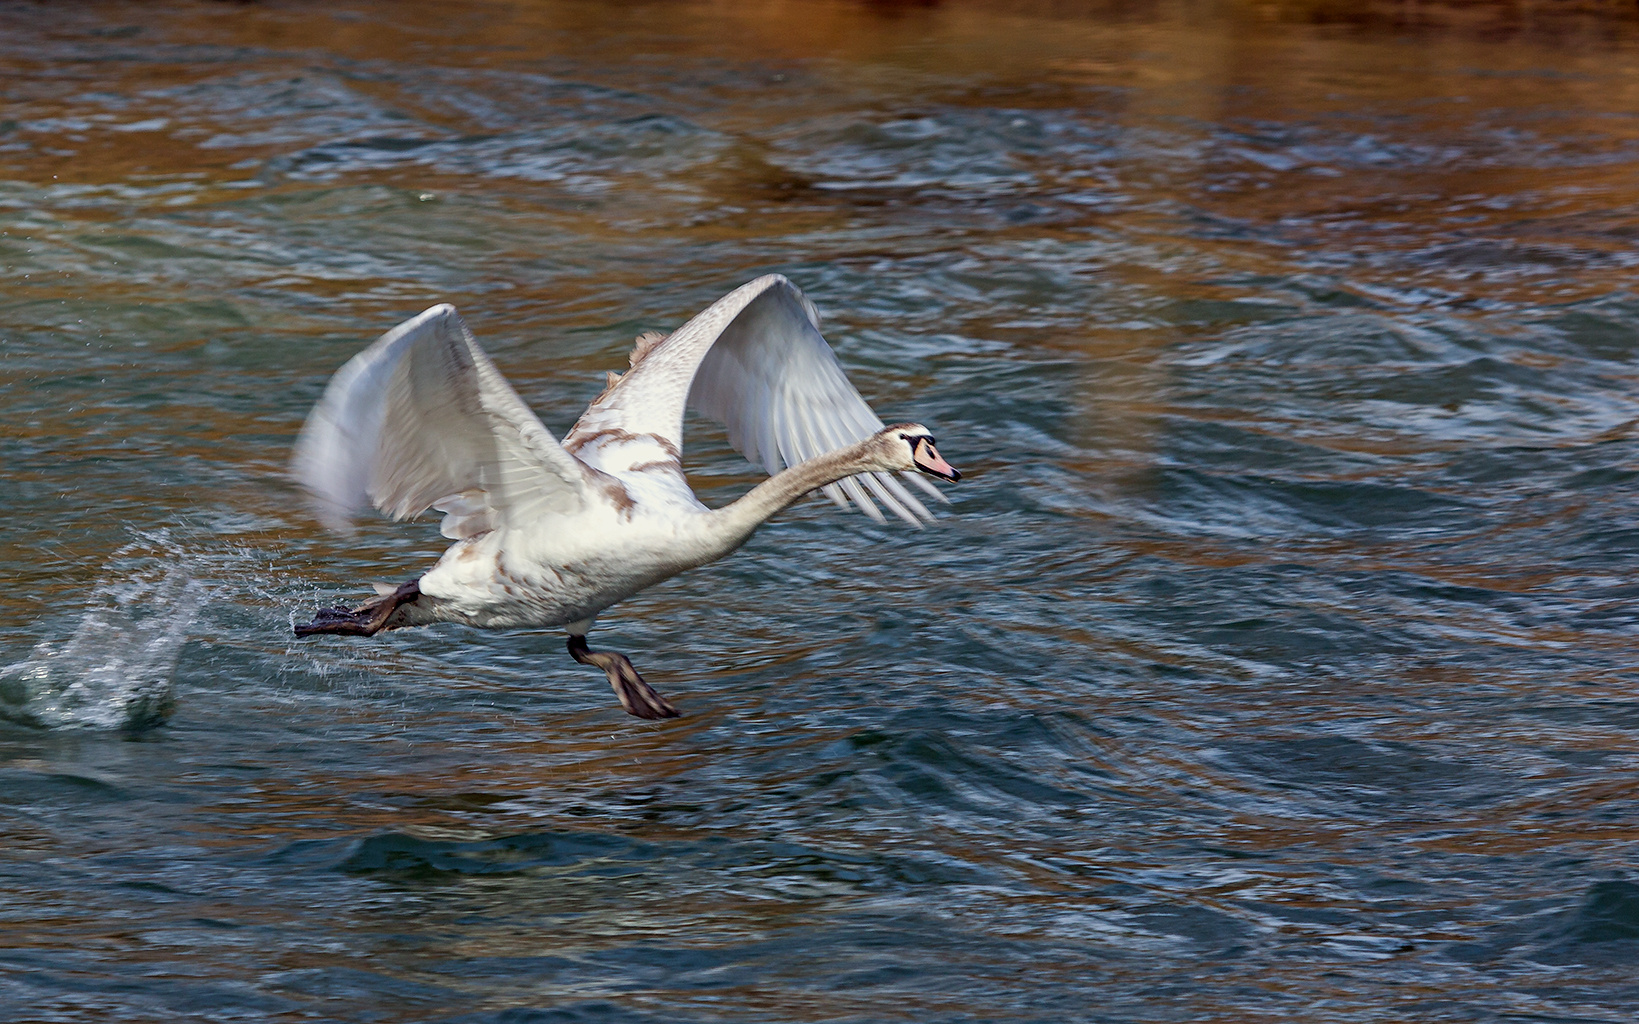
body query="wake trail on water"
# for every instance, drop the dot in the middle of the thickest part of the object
(117, 669)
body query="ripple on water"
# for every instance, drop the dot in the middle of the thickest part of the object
(1274, 661)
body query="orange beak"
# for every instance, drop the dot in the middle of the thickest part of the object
(927, 459)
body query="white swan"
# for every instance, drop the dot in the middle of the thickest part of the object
(550, 534)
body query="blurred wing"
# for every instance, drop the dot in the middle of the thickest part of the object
(422, 418)
(755, 362)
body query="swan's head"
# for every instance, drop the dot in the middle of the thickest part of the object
(910, 446)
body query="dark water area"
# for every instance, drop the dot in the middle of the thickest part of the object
(1276, 660)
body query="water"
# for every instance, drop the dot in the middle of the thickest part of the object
(117, 668)
(1275, 660)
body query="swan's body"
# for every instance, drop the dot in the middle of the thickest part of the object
(550, 534)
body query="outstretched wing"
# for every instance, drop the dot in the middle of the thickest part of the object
(755, 362)
(423, 419)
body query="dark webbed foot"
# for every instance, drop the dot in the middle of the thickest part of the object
(636, 696)
(367, 619)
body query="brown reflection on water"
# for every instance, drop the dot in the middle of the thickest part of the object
(1224, 63)
(1413, 74)
(1218, 202)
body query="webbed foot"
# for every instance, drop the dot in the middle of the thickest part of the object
(636, 696)
(367, 619)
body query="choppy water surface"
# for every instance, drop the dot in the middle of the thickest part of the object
(1277, 660)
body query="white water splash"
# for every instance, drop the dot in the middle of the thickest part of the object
(116, 671)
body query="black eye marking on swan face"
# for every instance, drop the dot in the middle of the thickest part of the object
(925, 454)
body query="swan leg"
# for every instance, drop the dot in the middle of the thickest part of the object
(636, 696)
(367, 619)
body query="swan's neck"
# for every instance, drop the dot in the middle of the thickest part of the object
(734, 523)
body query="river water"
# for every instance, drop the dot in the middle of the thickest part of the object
(1276, 660)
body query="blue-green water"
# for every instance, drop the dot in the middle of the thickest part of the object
(1275, 660)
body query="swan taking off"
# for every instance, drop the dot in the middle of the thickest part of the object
(550, 534)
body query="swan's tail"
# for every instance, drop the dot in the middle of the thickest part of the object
(367, 619)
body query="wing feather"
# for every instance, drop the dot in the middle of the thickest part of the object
(423, 419)
(755, 362)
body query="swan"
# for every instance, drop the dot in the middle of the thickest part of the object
(550, 534)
